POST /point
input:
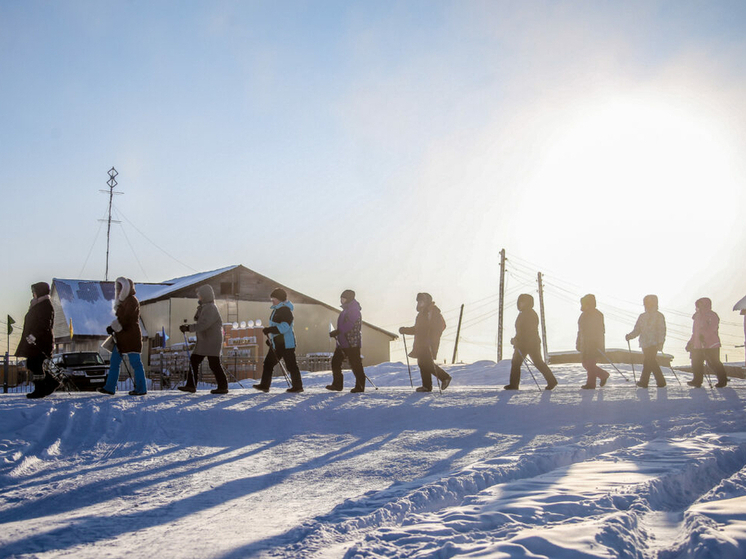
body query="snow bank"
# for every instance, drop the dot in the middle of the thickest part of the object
(473, 472)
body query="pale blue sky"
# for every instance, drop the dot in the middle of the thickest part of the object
(387, 147)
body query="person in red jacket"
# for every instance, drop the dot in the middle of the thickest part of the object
(704, 344)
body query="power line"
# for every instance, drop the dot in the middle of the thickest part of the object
(164, 251)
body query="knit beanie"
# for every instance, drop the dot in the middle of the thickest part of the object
(279, 293)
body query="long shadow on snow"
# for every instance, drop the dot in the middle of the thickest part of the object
(91, 529)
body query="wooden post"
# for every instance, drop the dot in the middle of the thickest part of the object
(543, 319)
(502, 306)
(458, 333)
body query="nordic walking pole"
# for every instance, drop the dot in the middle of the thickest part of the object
(528, 367)
(370, 381)
(440, 390)
(674, 372)
(189, 360)
(282, 365)
(126, 367)
(227, 370)
(612, 364)
(704, 367)
(632, 361)
(406, 353)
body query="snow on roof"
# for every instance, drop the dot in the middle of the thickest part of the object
(169, 286)
(90, 303)
(741, 305)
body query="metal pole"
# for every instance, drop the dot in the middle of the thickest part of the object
(458, 333)
(6, 368)
(112, 183)
(406, 353)
(543, 319)
(502, 304)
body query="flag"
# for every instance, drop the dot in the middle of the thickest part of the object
(164, 338)
(71, 328)
(10, 325)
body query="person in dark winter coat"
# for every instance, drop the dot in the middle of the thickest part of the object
(281, 343)
(651, 327)
(209, 328)
(590, 342)
(527, 343)
(37, 340)
(427, 329)
(704, 344)
(125, 330)
(349, 341)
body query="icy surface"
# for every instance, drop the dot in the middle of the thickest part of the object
(474, 472)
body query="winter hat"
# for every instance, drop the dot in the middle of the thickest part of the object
(207, 293)
(279, 293)
(588, 302)
(650, 302)
(125, 287)
(704, 304)
(425, 298)
(524, 299)
(348, 294)
(40, 289)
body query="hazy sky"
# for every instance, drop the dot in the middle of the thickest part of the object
(386, 147)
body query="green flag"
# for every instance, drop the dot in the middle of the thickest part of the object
(10, 325)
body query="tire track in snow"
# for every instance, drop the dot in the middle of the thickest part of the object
(636, 501)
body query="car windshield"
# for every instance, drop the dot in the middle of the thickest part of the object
(81, 359)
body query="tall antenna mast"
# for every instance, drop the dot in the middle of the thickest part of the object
(112, 182)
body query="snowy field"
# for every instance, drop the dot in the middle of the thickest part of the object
(474, 472)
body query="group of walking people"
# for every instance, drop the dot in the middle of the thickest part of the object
(125, 341)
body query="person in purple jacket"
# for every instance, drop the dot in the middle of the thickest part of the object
(349, 341)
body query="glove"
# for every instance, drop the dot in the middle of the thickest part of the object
(628, 337)
(688, 347)
(270, 330)
(184, 328)
(334, 333)
(31, 339)
(403, 330)
(512, 341)
(110, 330)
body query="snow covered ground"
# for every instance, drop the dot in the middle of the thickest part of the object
(474, 472)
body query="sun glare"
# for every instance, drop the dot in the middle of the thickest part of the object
(640, 160)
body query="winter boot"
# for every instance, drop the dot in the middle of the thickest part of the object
(103, 390)
(294, 389)
(261, 387)
(423, 389)
(136, 393)
(510, 387)
(334, 387)
(187, 388)
(446, 382)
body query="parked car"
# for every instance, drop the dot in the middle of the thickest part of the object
(85, 369)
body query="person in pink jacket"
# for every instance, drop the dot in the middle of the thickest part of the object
(704, 344)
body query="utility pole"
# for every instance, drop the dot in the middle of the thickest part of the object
(112, 182)
(502, 307)
(458, 333)
(543, 319)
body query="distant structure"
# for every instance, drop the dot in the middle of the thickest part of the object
(241, 295)
(741, 306)
(112, 182)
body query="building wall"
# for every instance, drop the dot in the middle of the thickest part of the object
(311, 324)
